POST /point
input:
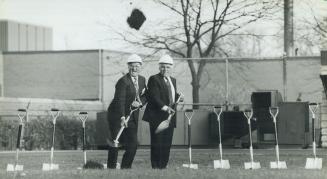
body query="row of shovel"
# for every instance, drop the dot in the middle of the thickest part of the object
(311, 163)
(22, 115)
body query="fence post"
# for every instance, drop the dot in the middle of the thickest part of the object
(323, 107)
(285, 77)
(227, 83)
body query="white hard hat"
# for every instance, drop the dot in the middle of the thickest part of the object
(166, 59)
(134, 58)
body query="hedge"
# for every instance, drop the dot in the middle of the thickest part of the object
(38, 133)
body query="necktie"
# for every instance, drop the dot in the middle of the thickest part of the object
(136, 85)
(169, 91)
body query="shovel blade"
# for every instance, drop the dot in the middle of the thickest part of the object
(162, 126)
(252, 165)
(12, 168)
(193, 166)
(223, 164)
(50, 166)
(278, 165)
(313, 163)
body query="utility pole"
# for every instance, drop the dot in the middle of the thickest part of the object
(288, 40)
(288, 28)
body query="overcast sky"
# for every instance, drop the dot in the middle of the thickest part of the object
(79, 24)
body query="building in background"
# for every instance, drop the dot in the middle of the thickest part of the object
(16, 36)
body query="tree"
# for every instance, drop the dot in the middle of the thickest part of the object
(311, 27)
(198, 27)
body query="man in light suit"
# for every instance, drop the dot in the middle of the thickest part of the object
(161, 96)
(128, 93)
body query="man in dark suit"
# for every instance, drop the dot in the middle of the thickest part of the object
(161, 96)
(129, 92)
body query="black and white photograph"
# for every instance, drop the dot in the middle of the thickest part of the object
(163, 89)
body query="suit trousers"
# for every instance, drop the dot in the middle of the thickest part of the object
(160, 146)
(129, 141)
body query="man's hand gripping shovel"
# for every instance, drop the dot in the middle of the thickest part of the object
(115, 142)
(165, 124)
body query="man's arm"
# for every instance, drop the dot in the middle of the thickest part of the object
(120, 97)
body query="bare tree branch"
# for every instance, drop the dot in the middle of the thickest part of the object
(199, 26)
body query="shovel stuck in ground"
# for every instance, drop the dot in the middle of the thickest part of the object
(83, 116)
(276, 164)
(313, 163)
(250, 165)
(22, 118)
(223, 164)
(52, 166)
(189, 115)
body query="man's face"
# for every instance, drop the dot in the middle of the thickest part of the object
(165, 69)
(134, 68)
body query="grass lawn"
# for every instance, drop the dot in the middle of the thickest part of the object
(69, 161)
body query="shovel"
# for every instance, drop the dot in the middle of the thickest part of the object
(51, 166)
(313, 163)
(223, 164)
(16, 166)
(115, 142)
(278, 164)
(83, 116)
(189, 114)
(165, 124)
(250, 165)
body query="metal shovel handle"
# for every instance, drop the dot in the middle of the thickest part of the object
(54, 113)
(189, 115)
(19, 136)
(116, 140)
(313, 108)
(248, 113)
(22, 113)
(274, 112)
(218, 111)
(179, 98)
(83, 117)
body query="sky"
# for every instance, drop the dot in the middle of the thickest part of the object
(83, 24)
(78, 24)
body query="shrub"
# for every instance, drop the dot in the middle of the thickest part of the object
(38, 133)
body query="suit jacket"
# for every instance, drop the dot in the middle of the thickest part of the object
(125, 94)
(157, 97)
